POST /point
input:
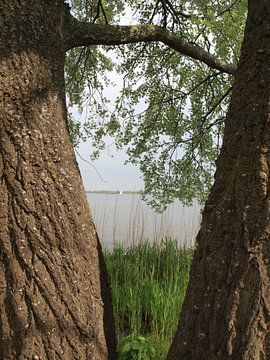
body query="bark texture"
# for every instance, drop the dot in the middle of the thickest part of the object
(54, 295)
(226, 313)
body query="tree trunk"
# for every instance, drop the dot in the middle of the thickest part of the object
(54, 297)
(226, 313)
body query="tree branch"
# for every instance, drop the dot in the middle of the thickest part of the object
(86, 34)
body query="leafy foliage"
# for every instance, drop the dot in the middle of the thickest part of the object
(170, 112)
(137, 348)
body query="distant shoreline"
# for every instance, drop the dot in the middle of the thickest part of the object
(114, 192)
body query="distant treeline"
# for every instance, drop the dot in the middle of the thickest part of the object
(113, 192)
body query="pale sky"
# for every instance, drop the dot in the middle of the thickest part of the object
(116, 175)
(112, 170)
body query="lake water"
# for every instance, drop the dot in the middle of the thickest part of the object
(128, 220)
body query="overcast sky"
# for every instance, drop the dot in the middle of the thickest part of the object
(108, 173)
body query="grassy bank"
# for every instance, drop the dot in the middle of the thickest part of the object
(148, 287)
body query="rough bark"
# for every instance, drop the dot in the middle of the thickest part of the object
(226, 313)
(54, 296)
(85, 34)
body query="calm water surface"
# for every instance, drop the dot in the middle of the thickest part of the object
(128, 220)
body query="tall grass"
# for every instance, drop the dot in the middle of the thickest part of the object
(148, 287)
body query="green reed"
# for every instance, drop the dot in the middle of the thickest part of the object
(148, 287)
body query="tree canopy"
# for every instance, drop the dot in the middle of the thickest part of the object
(176, 87)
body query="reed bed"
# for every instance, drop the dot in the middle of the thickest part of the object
(148, 286)
(127, 219)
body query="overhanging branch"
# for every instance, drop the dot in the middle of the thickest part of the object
(86, 34)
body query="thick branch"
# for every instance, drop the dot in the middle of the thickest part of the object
(85, 34)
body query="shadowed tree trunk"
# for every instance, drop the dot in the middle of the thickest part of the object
(54, 295)
(226, 313)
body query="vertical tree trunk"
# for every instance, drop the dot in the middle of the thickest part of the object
(226, 314)
(54, 300)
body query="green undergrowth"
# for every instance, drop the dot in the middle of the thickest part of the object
(148, 287)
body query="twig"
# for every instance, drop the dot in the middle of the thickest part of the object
(88, 162)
